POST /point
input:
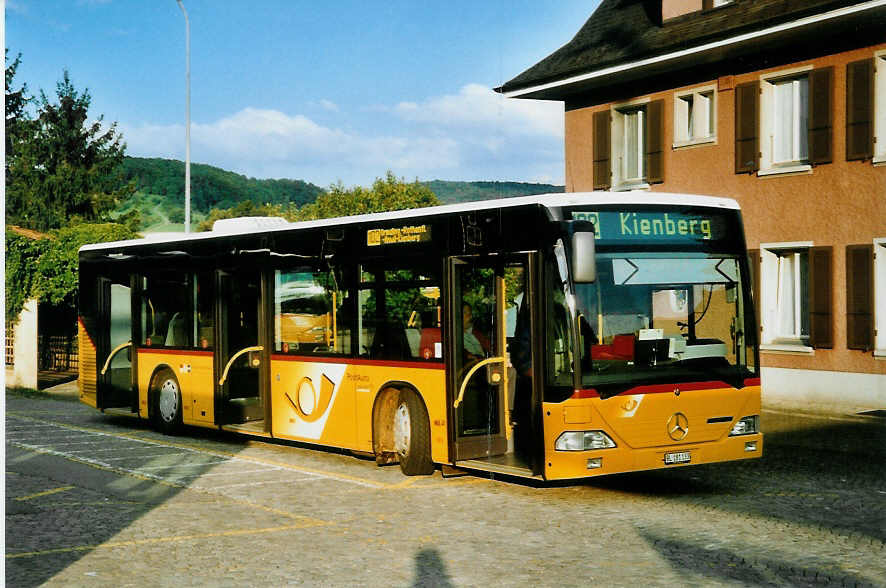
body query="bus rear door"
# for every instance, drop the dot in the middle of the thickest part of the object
(116, 388)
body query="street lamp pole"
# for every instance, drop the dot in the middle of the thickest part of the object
(187, 118)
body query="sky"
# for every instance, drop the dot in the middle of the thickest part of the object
(320, 91)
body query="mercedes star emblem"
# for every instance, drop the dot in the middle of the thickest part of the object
(678, 426)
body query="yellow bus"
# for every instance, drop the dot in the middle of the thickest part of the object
(558, 336)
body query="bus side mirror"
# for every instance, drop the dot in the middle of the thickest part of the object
(584, 260)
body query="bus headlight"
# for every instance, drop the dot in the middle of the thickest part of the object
(583, 441)
(746, 426)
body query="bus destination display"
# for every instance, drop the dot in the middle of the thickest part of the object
(398, 235)
(654, 226)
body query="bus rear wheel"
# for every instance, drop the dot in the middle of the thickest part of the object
(167, 409)
(412, 435)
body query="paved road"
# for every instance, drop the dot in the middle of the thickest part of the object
(105, 501)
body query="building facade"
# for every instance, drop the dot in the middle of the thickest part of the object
(778, 104)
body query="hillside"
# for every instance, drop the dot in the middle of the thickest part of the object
(451, 192)
(159, 196)
(212, 187)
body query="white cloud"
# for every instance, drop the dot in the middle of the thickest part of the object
(479, 107)
(472, 135)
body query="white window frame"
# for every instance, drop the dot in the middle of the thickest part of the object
(772, 298)
(694, 125)
(769, 119)
(621, 180)
(880, 107)
(880, 297)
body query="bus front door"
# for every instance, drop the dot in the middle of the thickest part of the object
(240, 361)
(491, 378)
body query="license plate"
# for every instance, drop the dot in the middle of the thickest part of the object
(677, 457)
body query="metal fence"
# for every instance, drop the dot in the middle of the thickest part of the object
(58, 353)
(10, 345)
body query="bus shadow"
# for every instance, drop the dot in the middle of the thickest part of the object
(813, 472)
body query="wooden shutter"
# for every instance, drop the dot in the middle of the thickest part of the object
(821, 330)
(754, 265)
(602, 168)
(654, 142)
(859, 297)
(860, 110)
(747, 127)
(821, 106)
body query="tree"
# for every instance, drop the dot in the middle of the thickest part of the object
(19, 126)
(63, 168)
(386, 194)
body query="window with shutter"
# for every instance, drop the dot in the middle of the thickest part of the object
(601, 147)
(821, 115)
(860, 297)
(754, 263)
(746, 128)
(695, 118)
(655, 142)
(879, 262)
(859, 110)
(880, 107)
(821, 331)
(785, 297)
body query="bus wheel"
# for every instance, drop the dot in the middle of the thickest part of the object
(412, 435)
(167, 402)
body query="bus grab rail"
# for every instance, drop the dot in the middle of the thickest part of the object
(471, 372)
(116, 350)
(234, 357)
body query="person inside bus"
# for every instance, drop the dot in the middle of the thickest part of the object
(476, 343)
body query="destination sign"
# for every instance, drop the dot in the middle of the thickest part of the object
(398, 235)
(654, 226)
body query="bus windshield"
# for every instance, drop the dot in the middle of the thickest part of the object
(662, 317)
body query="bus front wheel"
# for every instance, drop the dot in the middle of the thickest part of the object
(412, 435)
(167, 402)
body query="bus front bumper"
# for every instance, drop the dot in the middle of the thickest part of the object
(565, 465)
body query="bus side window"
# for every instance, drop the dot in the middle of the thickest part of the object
(167, 311)
(399, 316)
(307, 313)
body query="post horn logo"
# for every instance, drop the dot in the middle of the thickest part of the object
(678, 426)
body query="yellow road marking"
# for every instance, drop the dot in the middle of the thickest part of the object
(44, 493)
(173, 539)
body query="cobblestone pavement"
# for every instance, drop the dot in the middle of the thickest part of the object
(102, 501)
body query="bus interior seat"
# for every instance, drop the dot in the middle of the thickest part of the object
(430, 337)
(176, 335)
(621, 348)
(390, 342)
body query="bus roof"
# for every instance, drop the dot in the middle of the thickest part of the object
(555, 200)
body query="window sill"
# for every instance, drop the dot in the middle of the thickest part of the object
(694, 143)
(629, 187)
(880, 353)
(798, 349)
(879, 160)
(792, 170)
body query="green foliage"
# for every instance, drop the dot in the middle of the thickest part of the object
(21, 256)
(47, 269)
(452, 192)
(61, 168)
(386, 194)
(211, 187)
